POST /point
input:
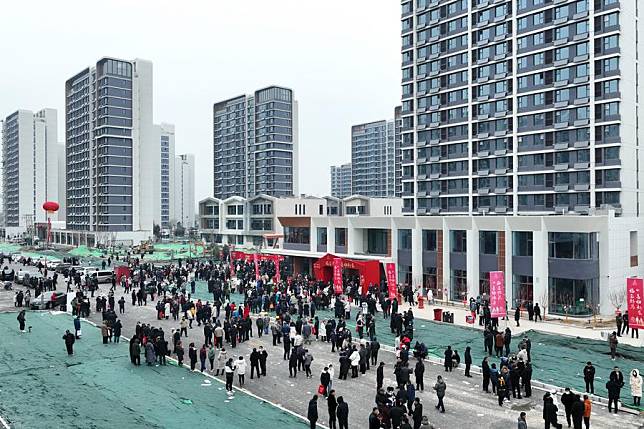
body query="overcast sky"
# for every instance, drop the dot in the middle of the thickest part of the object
(341, 57)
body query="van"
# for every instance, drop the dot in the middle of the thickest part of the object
(104, 276)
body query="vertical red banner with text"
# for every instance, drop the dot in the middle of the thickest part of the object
(390, 270)
(256, 260)
(634, 295)
(337, 276)
(277, 270)
(497, 294)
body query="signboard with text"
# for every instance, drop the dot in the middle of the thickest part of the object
(390, 270)
(337, 276)
(634, 295)
(497, 294)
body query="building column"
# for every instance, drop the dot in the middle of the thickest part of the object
(509, 279)
(540, 267)
(417, 257)
(445, 251)
(440, 268)
(472, 261)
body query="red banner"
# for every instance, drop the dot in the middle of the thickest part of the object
(232, 269)
(497, 294)
(256, 260)
(337, 276)
(634, 295)
(390, 270)
(277, 270)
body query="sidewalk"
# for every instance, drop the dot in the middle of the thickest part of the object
(552, 326)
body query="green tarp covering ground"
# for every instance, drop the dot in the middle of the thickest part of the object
(557, 360)
(40, 386)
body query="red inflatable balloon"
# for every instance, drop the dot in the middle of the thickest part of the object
(51, 206)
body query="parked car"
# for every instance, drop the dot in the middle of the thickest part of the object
(44, 301)
(104, 276)
(53, 264)
(20, 276)
(63, 268)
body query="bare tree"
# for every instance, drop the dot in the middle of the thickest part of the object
(545, 303)
(617, 297)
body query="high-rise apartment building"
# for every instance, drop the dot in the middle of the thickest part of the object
(374, 158)
(184, 190)
(256, 144)
(341, 180)
(109, 142)
(163, 174)
(525, 107)
(31, 162)
(527, 110)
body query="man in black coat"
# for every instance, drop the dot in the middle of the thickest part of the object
(420, 373)
(417, 415)
(567, 399)
(343, 413)
(263, 355)
(69, 342)
(254, 363)
(312, 413)
(468, 361)
(589, 377)
(577, 412)
(375, 347)
(332, 406)
(374, 421)
(396, 413)
(380, 375)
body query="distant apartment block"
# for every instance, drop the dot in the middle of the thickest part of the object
(341, 180)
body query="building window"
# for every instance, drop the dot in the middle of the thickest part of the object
(430, 243)
(572, 245)
(633, 247)
(430, 282)
(322, 237)
(487, 242)
(341, 237)
(459, 285)
(377, 241)
(296, 235)
(522, 290)
(522, 243)
(484, 283)
(404, 239)
(459, 241)
(573, 297)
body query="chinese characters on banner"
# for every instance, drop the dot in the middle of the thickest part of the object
(497, 294)
(390, 270)
(277, 270)
(337, 276)
(256, 260)
(634, 295)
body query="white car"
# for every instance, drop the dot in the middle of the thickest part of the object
(87, 271)
(20, 276)
(52, 264)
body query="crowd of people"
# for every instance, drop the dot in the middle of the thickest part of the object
(288, 311)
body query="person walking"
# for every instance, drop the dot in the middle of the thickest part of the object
(521, 422)
(448, 359)
(241, 370)
(192, 355)
(343, 413)
(567, 399)
(332, 405)
(577, 412)
(440, 388)
(589, 377)
(636, 387)
(325, 380)
(612, 344)
(69, 342)
(312, 412)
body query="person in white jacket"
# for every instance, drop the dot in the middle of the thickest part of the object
(636, 387)
(355, 361)
(331, 374)
(241, 370)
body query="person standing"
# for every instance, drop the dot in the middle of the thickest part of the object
(263, 356)
(521, 422)
(588, 407)
(374, 420)
(380, 376)
(501, 390)
(203, 355)
(343, 413)
(192, 355)
(567, 399)
(325, 380)
(332, 405)
(229, 370)
(419, 372)
(485, 369)
(69, 342)
(241, 371)
(254, 364)
(612, 343)
(448, 359)
(589, 377)
(77, 327)
(222, 358)
(537, 312)
(21, 320)
(440, 388)
(613, 387)
(517, 315)
(417, 414)
(312, 413)
(468, 361)
(577, 412)
(636, 387)
(618, 321)
(211, 357)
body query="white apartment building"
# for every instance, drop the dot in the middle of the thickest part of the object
(184, 190)
(160, 166)
(33, 161)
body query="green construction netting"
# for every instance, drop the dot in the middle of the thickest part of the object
(99, 388)
(84, 251)
(9, 248)
(558, 360)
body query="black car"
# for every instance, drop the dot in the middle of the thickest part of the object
(63, 268)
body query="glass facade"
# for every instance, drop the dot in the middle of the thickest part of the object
(458, 285)
(572, 245)
(522, 290)
(573, 297)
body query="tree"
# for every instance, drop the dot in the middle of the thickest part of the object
(617, 297)
(156, 230)
(179, 230)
